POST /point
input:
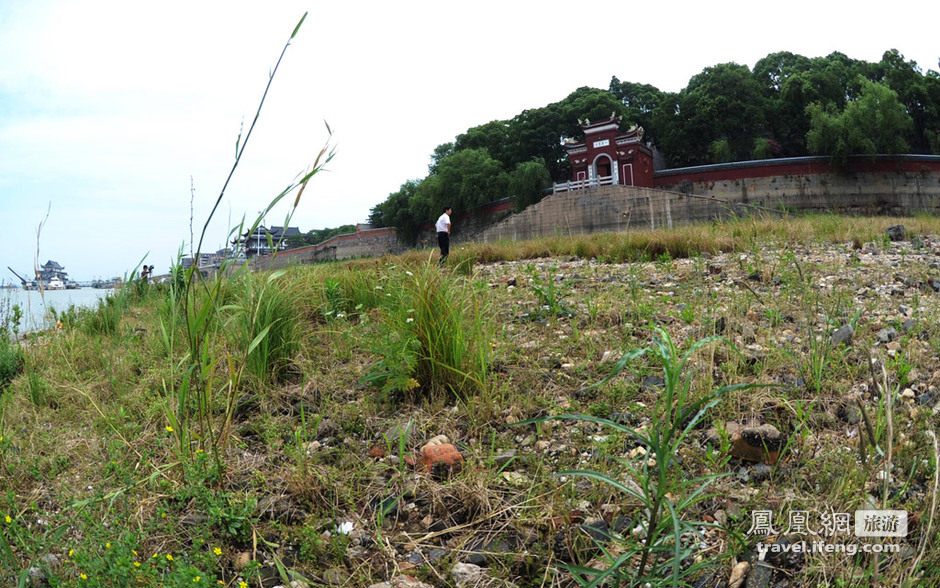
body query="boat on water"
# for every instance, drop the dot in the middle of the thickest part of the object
(55, 284)
(51, 276)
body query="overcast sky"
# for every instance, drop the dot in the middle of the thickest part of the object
(110, 109)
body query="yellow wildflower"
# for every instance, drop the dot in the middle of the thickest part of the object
(217, 551)
(107, 545)
(71, 551)
(243, 585)
(84, 577)
(169, 429)
(196, 579)
(136, 564)
(8, 519)
(169, 557)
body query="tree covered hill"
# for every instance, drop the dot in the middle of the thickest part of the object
(787, 106)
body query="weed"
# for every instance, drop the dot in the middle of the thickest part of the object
(667, 534)
(435, 338)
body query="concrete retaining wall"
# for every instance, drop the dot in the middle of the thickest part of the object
(899, 186)
(368, 243)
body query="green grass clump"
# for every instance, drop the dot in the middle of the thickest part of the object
(265, 326)
(434, 337)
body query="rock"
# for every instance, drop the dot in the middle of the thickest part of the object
(516, 479)
(437, 554)
(750, 442)
(887, 335)
(842, 336)
(580, 543)
(37, 577)
(465, 573)
(738, 574)
(756, 443)
(398, 432)
(335, 576)
(505, 457)
(759, 576)
(652, 383)
(908, 325)
(760, 472)
(437, 440)
(327, 428)
(934, 284)
(896, 232)
(441, 460)
(298, 584)
(721, 324)
(927, 398)
(850, 413)
(377, 452)
(403, 581)
(785, 556)
(241, 561)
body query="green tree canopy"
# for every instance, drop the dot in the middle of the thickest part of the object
(788, 105)
(875, 122)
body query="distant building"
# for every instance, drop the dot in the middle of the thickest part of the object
(52, 269)
(264, 241)
(608, 157)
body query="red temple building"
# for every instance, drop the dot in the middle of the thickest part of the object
(608, 156)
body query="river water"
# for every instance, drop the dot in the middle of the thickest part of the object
(35, 307)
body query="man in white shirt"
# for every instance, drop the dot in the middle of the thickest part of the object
(443, 233)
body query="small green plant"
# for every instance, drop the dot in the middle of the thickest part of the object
(549, 296)
(334, 300)
(660, 555)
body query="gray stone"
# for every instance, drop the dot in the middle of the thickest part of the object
(843, 335)
(897, 232)
(466, 573)
(396, 432)
(759, 576)
(652, 383)
(927, 398)
(850, 413)
(505, 457)
(335, 576)
(760, 472)
(887, 335)
(37, 577)
(437, 554)
(327, 428)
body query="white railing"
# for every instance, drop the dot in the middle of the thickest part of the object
(583, 184)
